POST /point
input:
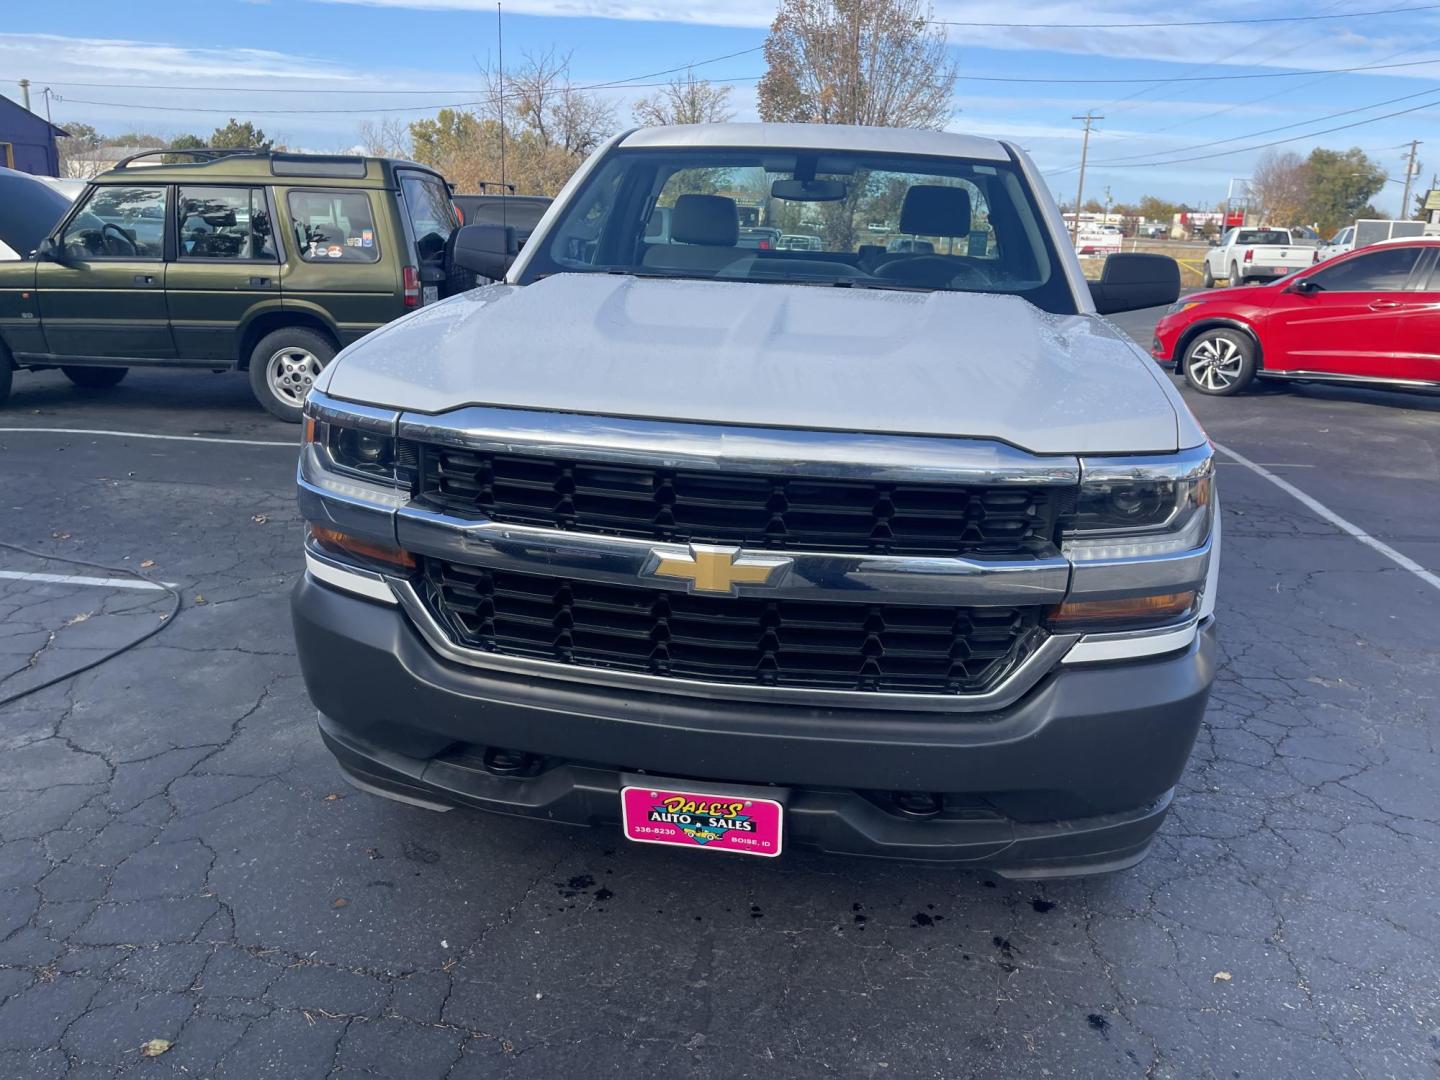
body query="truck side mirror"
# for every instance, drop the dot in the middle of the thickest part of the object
(488, 250)
(1134, 280)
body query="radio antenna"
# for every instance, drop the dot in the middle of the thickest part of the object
(500, 50)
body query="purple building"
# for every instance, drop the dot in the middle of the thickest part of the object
(27, 141)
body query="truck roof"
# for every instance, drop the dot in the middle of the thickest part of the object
(877, 140)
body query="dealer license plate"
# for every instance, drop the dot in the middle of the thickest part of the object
(708, 820)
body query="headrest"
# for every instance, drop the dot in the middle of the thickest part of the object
(705, 219)
(933, 210)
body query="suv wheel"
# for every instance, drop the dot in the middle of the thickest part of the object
(95, 378)
(1207, 278)
(1220, 362)
(284, 365)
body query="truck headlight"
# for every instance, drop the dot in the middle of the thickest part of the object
(1139, 541)
(1130, 508)
(359, 446)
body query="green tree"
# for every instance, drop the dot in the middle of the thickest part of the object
(183, 142)
(135, 138)
(1339, 187)
(238, 136)
(1154, 208)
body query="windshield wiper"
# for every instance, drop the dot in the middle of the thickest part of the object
(679, 275)
(885, 286)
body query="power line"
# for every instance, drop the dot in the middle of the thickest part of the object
(1189, 22)
(1282, 142)
(347, 90)
(1271, 131)
(1199, 78)
(1240, 50)
(487, 100)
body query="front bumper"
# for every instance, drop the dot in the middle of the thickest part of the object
(1074, 778)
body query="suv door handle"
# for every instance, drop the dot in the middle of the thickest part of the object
(144, 279)
(259, 282)
(1385, 305)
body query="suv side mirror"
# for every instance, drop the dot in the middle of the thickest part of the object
(1133, 281)
(488, 250)
(50, 251)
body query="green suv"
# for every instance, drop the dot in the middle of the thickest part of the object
(226, 260)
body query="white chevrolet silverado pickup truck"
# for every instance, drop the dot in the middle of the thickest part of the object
(1245, 255)
(897, 553)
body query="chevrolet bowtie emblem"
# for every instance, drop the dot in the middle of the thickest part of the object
(717, 569)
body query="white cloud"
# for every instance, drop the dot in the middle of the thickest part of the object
(119, 60)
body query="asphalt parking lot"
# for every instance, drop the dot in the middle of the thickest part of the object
(180, 860)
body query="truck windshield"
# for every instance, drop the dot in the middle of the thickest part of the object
(810, 218)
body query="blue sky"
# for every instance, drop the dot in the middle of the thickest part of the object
(173, 66)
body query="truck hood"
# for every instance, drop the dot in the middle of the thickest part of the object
(954, 364)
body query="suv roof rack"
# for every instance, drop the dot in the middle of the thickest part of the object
(281, 163)
(203, 153)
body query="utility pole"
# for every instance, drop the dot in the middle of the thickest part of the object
(25, 93)
(1089, 119)
(1409, 176)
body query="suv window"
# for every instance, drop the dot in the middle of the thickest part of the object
(432, 214)
(335, 225)
(1386, 270)
(224, 223)
(118, 223)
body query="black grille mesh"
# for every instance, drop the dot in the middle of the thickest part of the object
(796, 514)
(783, 642)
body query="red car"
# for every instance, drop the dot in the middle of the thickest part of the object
(1370, 316)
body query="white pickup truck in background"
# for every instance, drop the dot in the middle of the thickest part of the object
(1245, 255)
(1365, 232)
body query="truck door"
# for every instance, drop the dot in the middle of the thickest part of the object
(107, 298)
(225, 267)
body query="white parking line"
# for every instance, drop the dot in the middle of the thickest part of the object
(1323, 511)
(295, 445)
(80, 579)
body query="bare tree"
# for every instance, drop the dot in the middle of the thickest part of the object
(876, 62)
(549, 128)
(685, 101)
(389, 138)
(1280, 184)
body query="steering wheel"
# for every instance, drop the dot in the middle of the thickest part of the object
(932, 270)
(127, 245)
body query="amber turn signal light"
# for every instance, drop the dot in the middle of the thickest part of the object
(365, 549)
(1161, 608)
